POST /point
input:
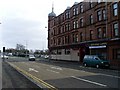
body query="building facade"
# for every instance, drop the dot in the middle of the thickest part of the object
(85, 28)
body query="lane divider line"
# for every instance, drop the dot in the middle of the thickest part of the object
(81, 79)
(50, 87)
(108, 75)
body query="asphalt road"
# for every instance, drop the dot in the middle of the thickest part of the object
(60, 74)
(12, 79)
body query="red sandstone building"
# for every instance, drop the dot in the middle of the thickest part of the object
(85, 28)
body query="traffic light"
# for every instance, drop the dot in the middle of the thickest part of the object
(3, 49)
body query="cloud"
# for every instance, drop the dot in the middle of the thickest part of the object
(19, 30)
(25, 21)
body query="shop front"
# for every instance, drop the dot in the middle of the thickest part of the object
(99, 49)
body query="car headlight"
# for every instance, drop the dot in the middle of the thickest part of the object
(102, 62)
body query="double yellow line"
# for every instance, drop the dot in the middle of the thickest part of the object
(46, 85)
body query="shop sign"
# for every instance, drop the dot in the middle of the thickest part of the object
(98, 44)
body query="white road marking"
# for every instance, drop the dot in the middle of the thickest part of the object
(108, 75)
(89, 81)
(58, 68)
(32, 69)
(52, 71)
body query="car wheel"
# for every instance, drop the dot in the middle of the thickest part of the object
(85, 64)
(97, 66)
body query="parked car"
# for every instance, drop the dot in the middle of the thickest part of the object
(94, 60)
(5, 57)
(31, 58)
(46, 56)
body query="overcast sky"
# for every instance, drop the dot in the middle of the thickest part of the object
(24, 21)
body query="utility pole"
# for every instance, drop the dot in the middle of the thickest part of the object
(106, 19)
(26, 48)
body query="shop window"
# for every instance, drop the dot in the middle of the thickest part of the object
(59, 52)
(67, 51)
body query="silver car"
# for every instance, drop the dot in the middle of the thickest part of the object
(31, 58)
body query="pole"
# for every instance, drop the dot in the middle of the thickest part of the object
(26, 48)
(106, 19)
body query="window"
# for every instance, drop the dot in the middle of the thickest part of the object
(99, 16)
(81, 8)
(91, 19)
(76, 38)
(66, 39)
(74, 26)
(63, 30)
(73, 38)
(104, 32)
(74, 11)
(81, 22)
(91, 34)
(91, 4)
(116, 53)
(99, 33)
(63, 40)
(104, 14)
(115, 28)
(59, 52)
(68, 26)
(67, 14)
(81, 37)
(115, 9)
(99, 1)
(59, 41)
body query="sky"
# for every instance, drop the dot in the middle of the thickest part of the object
(25, 22)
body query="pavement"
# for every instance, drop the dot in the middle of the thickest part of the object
(12, 79)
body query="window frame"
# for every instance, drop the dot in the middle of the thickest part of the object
(115, 9)
(91, 34)
(116, 28)
(81, 22)
(99, 15)
(99, 33)
(81, 8)
(91, 19)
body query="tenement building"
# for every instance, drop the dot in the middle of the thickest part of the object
(86, 28)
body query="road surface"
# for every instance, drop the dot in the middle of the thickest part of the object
(60, 74)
